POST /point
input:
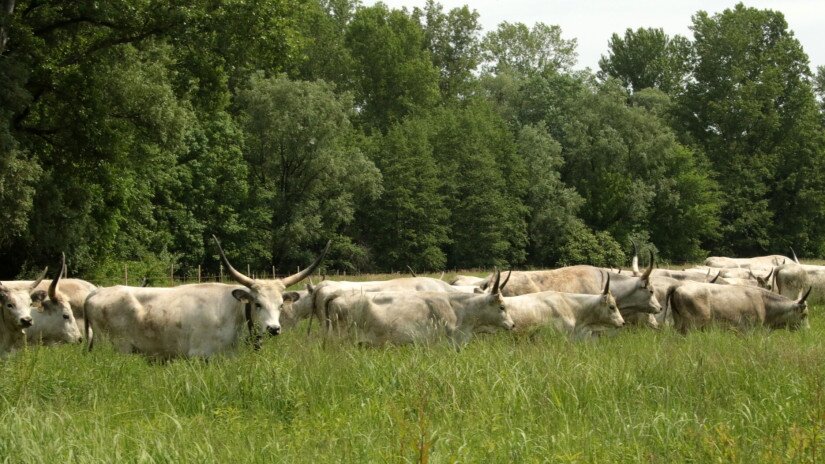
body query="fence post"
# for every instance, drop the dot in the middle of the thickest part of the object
(199, 273)
(273, 272)
(221, 273)
(126, 273)
(172, 273)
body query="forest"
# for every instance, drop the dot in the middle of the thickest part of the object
(133, 130)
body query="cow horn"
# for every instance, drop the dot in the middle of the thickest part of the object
(607, 284)
(793, 253)
(649, 269)
(299, 276)
(442, 276)
(805, 296)
(411, 271)
(770, 273)
(713, 281)
(53, 286)
(506, 279)
(496, 289)
(240, 278)
(634, 263)
(39, 279)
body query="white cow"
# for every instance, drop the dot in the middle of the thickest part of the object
(418, 317)
(53, 319)
(15, 315)
(574, 314)
(191, 320)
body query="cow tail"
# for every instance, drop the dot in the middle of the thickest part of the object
(87, 323)
(669, 301)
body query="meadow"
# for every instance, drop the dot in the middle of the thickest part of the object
(642, 395)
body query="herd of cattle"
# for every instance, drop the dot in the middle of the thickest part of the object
(200, 320)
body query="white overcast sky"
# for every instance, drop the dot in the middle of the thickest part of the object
(592, 22)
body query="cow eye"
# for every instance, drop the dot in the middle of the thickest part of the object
(66, 316)
(9, 305)
(258, 305)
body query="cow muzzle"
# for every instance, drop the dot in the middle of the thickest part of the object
(274, 330)
(25, 322)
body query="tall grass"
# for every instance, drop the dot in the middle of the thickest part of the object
(639, 396)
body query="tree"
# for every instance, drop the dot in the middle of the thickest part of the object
(453, 42)
(751, 108)
(484, 179)
(540, 49)
(306, 171)
(409, 223)
(647, 58)
(397, 76)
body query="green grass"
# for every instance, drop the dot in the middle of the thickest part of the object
(639, 396)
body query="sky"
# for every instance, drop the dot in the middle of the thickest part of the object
(592, 22)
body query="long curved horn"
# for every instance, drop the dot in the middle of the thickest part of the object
(793, 253)
(299, 276)
(411, 271)
(770, 273)
(53, 286)
(496, 289)
(649, 269)
(607, 285)
(805, 296)
(634, 264)
(240, 278)
(713, 281)
(39, 279)
(506, 279)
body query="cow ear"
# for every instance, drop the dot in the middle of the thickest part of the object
(39, 297)
(310, 288)
(292, 297)
(242, 295)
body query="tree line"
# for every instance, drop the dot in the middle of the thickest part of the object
(132, 130)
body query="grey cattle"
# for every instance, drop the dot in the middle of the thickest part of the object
(191, 320)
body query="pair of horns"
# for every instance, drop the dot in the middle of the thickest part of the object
(498, 286)
(293, 279)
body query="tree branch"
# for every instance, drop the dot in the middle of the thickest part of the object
(6, 9)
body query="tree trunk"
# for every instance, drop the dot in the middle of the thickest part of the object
(6, 9)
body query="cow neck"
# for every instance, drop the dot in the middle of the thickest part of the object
(253, 336)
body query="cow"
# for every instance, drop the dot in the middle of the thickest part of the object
(197, 320)
(633, 294)
(471, 281)
(73, 291)
(756, 262)
(697, 306)
(53, 320)
(15, 315)
(321, 293)
(574, 314)
(418, 317)
(791, 278)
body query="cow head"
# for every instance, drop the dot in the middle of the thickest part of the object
(608, 311)
(266, 298)
(494, 311)
(53, 319)
(637, 294)
(796, 316)
(15, 312)
(763, 282)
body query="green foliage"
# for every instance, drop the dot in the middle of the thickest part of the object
(306, 171)
(751, 108)
(397, 76)
(540, 49)
(647, 58)
(409, 224)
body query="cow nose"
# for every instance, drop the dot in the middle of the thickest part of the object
(26, 321)
(274, 330)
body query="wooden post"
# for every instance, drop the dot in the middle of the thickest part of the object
(126, 273)
(221, 272)
(199, 273)
(172, 273)
(273, 272)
